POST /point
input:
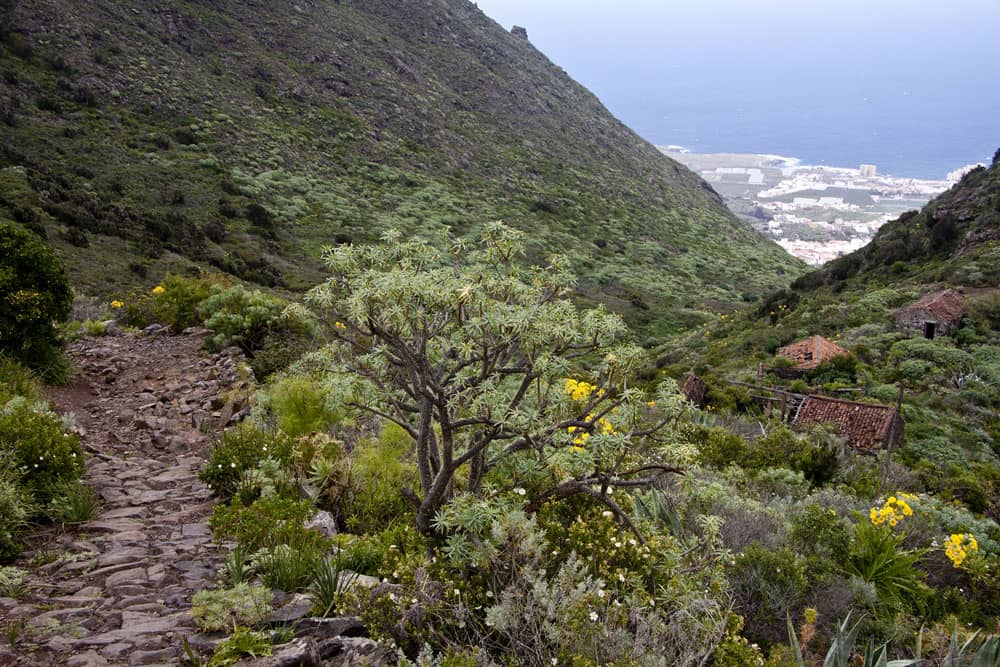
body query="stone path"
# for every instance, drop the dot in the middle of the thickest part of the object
(117, 590)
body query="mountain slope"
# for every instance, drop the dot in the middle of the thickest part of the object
(246, 135)
(950, 383)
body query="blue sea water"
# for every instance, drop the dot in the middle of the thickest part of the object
(912, 86)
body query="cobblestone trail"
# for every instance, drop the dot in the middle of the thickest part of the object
(117, 590)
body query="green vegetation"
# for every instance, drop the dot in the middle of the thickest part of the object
(40, 461)
(216, 610)
(565, 540)
(140, 149)
(34, 295)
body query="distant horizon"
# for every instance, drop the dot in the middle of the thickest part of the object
(907, 87)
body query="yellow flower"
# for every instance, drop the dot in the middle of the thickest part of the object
(651, 404)
(159, 289)
(339, 325)
(117, 304)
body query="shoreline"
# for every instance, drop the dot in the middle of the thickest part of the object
(775, 160)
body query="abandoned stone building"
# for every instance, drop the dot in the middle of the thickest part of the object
(865, 425)
(811, 352)
(933, 315)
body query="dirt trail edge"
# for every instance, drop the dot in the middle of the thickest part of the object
(117, 590)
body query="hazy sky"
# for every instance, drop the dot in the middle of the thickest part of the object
(653, 62)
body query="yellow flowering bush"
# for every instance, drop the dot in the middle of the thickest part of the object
(958, 547)
(892, 511)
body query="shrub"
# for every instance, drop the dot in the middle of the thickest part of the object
(16, 507)
(247, 318)
(300, 405)
(47, 455)
(219, 610)
(34, 293)
(16, 380)
(876, 557)
(267, 523)
(379, 471)
(240, 450)
(288, 568)
(242, 643)
(765, 585)
(73, 503)
(173, 302)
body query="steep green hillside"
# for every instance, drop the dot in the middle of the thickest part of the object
(952, 383)
(245, 135)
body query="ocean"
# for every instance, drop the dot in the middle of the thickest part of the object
(917, 134)
(910, 86)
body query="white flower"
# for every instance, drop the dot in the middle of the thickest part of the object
(232, 465)
(519, 491)
(554, 661)
(458, 592)
(593, 616)
(607, 514)
(601, 594)
(621, 577)
(489, 594)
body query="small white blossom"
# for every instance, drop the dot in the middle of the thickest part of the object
(520, 491)
(593, 616)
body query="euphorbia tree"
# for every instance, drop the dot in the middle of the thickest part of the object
(471, 354)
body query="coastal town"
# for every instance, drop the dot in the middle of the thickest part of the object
(816, 213)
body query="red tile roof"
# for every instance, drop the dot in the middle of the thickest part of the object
(946, 306)
(865, 425)
(811, 352)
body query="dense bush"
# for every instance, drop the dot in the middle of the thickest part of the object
(16, 506)
(47, 454)
(240, 450)
(379, 471)
(34, 295)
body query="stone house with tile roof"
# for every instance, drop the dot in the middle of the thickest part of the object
(866, 426)
(811, 352)
(933, 315)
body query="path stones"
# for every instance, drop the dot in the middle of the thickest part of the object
(119, 593)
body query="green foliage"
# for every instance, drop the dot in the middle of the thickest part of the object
(16, 380)
(780, 448)
(74, 503)
(34, 295)
(876, 557)
(47, 455)
(242, 643)
(266, 523)
(246, 318)
(764, 585)
(300, 405)
(13, 582)
(173, 302)
(221, 609)
(922, 361)
(289, 567)
(379, 471)
(240, 450)
(493, 341)
(329, 584)
(16, 506)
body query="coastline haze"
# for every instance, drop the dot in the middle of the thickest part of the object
(909, 87)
